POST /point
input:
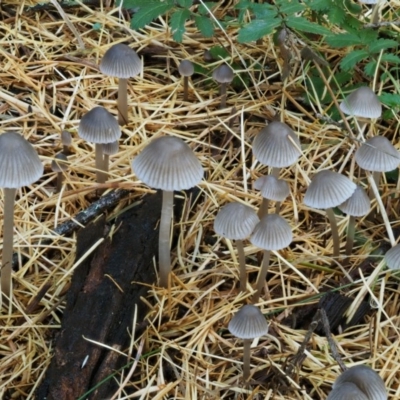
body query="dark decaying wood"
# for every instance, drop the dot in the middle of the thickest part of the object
(100, 303)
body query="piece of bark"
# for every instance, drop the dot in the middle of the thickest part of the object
(101, 301)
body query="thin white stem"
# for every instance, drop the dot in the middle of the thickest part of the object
(335, 232)
(242, 265)
(261, 276)
(100, 175)
(122, 102)
(246, 359)
(164, 256)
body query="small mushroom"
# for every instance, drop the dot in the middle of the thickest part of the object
(169, 164)
(392, 257)
(120, 61)
(59, 165)
(66, 141)
(223, 75)
(186, 69)
(248, 324)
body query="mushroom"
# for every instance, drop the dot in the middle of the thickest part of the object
(392, 257)
(361, 381)
(99, 127)
(236, 221)
(59, 165)
(328, 189)
(248, 324)
(19, 166)
(186, 69)
(66, 141)
(223, 75)
(271, 233)
(120, 61)
(109, 149)
(169, 164)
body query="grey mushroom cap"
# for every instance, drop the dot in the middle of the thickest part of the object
(392, 257)
(377, 154)
(110, 149)
(328, 189)
(168, 163)
(272, 188)
(276, 146)
(347, 391)
(20, 164)
(235, 221)
(366, 379)
(362, 102)
(272, 233)
(59, 163)
(248, 323)
(223, 74)
(186, 68)
(66, 138)
(121, 61)
(99, 126)
(358, 204)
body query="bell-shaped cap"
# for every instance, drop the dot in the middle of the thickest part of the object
(272, 188)
(358, 204)
(19, 163)
(248, 323)
(272, 233)
(186, 68)
(347, 391)
(60, 163)
(223, 74)
(66, 138)
(121, 61)
(276, 146)
(110, 149)
(377, 154)
(328, 189)
(366, 379)
(362, 102)
(168, 163)
(99, 126)
(235, 221)
(392, 257)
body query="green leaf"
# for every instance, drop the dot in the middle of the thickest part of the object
(319, 5)
(291, 8)
(204, 25)
(219, 53)
(337, 15)
(343, 40)
(135, 3)
(257, 29)
(304, 25)
(390, 99)
(185, 3)
(390, 58)
(370, 68)
(148, 12)
(351, 59)
(177, 23)
(382, 44)
(264, 11)
(352, 7)
(202, 9)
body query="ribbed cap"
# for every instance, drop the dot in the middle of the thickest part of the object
(248, 323)
(59, 164)
(121, 61)
(111, 149)
(328, 189)
(168, 163)
(272, 188)
(366, 379)
(347, 391)
(362, 102)
(392, 257)
(377, 154)
(223, 74)
(235, 221)
(99, 126)
(358, 204)
(273, 147)
(19, 163)
(186, 68)
(272, 233)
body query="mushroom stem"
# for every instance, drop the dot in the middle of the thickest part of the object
(242, 265)
(100, 175)
(350, 234)
(106, 163)
(8, 227)
(164, 256)
(262, 275)
(246, 359)
(376, 176)
(263, 210)
(122, 103)
(59, 182)
(335, 232)
(185, 88)
(222, 93)
(275, 172)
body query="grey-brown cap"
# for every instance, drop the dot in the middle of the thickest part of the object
(328, 189)
(272, 233)
(347, 391)
(248, 323)
(362, 102)
(99, 126)
(168, 163)
(272, 188)
(392, 257)
(276, 145)
(377, 154)
(110, 149)
(235, 221)
(59, 163)
(186, 68)
(19, 162)
(121, 61)
(66, 138)
(358, 204)
(223, 74)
